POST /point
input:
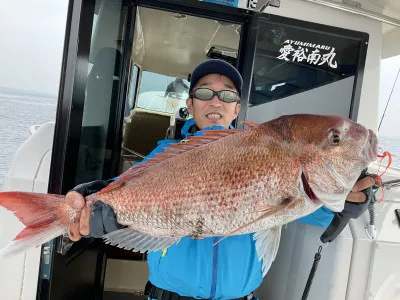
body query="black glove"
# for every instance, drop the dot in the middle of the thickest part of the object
(102, 219)
(86, 189)
(351, 210)
(354, 210)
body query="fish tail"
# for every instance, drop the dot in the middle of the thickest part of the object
(41, 214)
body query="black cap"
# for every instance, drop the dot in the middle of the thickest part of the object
(216, 66)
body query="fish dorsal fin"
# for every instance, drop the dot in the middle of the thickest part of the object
(250, 124)
(170, 151)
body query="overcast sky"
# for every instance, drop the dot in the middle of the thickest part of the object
(32, 36)
(31, 39)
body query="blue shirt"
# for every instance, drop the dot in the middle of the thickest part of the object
(197, 268)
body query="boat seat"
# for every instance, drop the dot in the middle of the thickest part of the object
(143, 130)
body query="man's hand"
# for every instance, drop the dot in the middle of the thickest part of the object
(81, 224)
(356, 195)
(95, 219)
(359, 198)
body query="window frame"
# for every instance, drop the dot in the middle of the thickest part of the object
(138, 76)
(248, 62)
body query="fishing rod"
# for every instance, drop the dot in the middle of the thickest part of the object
(390, 96)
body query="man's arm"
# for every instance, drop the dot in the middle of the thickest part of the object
(98, 219)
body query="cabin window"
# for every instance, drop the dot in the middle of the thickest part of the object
(162, 93)
(102, 90)
(301, 70)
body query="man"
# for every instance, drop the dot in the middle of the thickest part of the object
(197, 268)
(178, 86)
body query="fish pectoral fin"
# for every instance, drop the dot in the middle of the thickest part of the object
(271, 209)
(266, 211)
(267, 245)
(130, 240)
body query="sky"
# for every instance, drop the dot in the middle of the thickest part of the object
(32, 37)
(32, 40)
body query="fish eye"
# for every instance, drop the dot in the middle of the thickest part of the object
(334, 138)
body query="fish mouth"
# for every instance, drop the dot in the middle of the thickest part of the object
(370, 150)
(307, 188)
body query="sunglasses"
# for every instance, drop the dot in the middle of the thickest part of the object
(207, 94)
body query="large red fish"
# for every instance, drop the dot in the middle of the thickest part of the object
(222, 183)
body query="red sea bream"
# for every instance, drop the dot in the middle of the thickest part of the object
(222, 183)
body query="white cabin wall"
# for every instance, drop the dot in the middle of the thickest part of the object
(311, 12)
(391, 43)
(299, 241)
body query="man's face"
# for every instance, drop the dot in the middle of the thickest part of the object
(213, 112)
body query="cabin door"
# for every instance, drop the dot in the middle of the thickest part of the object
(89, 119)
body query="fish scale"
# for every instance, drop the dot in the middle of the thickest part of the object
(205, 200)
(220, 183)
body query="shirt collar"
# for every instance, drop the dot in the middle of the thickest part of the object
(190, 128)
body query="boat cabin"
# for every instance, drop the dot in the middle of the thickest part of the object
(125, 76)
